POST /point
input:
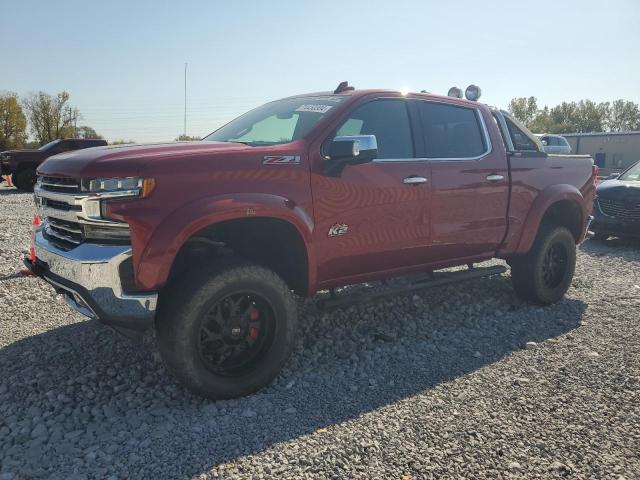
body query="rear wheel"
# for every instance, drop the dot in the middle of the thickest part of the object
(544, 274)
(25, 179)
(227, 332)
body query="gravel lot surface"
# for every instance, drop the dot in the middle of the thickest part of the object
(462, 381)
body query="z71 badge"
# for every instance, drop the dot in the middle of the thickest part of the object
(281, 160)
(338, 229)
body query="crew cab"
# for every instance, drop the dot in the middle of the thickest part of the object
(207, 242)
(22, 164)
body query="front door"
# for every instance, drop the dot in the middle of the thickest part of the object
(374, 217)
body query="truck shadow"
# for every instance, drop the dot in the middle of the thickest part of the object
(115, 398)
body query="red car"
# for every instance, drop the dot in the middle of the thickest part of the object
(208, 241)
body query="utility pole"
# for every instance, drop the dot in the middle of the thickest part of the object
(184, 131)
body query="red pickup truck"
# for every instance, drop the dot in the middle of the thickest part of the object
(208, 241)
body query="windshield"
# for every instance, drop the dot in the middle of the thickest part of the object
(278, 122)
(631, 175)
(50, 144)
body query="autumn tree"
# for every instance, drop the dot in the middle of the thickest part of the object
(50, 116)
(13, 123)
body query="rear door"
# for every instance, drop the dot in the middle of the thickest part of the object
(469, 181)
(370, 219)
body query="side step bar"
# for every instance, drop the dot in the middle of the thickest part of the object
(435, 279)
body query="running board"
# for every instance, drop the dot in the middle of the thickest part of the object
(435, 279)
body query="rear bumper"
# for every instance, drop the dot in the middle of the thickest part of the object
(89, 277)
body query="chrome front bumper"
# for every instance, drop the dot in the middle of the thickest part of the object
(88, 275)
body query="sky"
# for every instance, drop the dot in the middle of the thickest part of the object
(123, 61)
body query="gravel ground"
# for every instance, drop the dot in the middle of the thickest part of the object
(462, 381)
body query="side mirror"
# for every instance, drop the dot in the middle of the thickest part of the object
(349, 150)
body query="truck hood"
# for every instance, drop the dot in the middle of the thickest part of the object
(619, 190)
(128, 160)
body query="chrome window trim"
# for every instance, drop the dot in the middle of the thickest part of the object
(483, 127)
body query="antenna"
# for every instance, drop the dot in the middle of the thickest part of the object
(184, 131)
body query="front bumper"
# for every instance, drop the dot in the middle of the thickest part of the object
(606, 224)
(89, 277)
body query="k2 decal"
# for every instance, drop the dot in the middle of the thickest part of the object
(281, 160)
(338, 229)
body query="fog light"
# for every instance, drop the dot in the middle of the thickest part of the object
(473, 93)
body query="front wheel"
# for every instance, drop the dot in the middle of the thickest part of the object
(227, 332)
(544, 274)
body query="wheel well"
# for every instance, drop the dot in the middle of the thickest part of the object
(566, 213)
(271, 242)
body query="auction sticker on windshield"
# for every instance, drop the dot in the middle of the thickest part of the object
(314, 108)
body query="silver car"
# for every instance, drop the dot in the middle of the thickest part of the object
(555, 144)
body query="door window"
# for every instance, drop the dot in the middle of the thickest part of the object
(451, 131)
(521, 140)
(388, 120)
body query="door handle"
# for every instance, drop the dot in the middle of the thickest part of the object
(414, 180)
(494, 177)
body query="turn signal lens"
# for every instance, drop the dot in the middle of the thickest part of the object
(148, 185)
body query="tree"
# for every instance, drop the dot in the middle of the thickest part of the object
(524, 109)
(50, 117)
(186, 138)
(542, 122)
(13, 123)
(87, 132)
(623, 115)
(582, 117)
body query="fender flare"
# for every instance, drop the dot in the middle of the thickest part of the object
(539, 207)
(158, 255)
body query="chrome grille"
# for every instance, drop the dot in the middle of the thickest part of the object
(59, 184)
(621, 210)
(64, 231)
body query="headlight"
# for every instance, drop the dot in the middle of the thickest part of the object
(122, 187)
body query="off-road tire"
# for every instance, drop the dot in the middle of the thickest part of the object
(184, 306)
(528, 271)
(25, 179)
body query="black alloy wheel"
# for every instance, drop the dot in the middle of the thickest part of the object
(235, 333)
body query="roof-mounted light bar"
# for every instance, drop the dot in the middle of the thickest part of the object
(454, 92)
(473, 93)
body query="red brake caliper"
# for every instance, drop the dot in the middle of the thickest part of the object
(253, 331)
